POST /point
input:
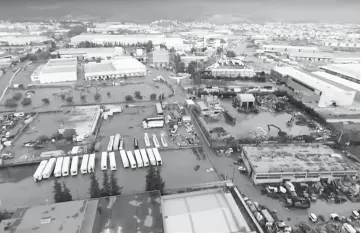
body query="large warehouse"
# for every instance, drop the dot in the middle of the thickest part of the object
(56, 71)
(323, 92)
(89, 53)
(114, 69)
(296, 163)
(349, 72)
(289, 48)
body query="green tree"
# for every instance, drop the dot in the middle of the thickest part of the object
(68, 134)
(26, 101)
(57, 191)
(45, 100)
(149, 46)
(153, 96)
(97, 96)
(129, 98)
(115, 189)
(154, 180)
(192, 67)
(231, 53)
(17, 96)
(106, 185)
(11, 103)
(69, 99)
(94, 189)
(66, 194)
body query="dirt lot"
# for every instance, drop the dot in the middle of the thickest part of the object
(177, 171)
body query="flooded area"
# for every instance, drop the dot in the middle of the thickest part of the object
(247, 122)
(15, 181)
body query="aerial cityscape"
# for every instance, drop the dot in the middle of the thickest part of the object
(191, 117)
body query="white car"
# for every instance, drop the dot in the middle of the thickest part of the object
(355, 214)
(313, 217)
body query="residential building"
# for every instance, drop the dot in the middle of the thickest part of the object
(296, 163)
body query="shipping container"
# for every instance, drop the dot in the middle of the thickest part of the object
(151, 157)
(84, 164)
(157, 156)
(91, 163)
(104, 161)
(38, 175)
(116, 142)
(66, 166)
(138, 158)
(145, 159)
(74, 166)
(49, 168)
(131, 159)
(113, 164)
(123, 156)
(58, 166)
(110, 144)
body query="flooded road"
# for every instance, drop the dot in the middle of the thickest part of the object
(17, 187)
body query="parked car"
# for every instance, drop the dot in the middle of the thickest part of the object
(242, 169)
(355, 214)
(313, 217)
(335, 217)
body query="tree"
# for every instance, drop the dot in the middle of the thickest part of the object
(182, 67)
(153, 180)
(137, 94)
(231, 53)
(69, 99)
(131, 54)
(45, 100)
(68, 134)
(193, 50)
(153, 96)
(5, 215)
(105, 191)
(17, 96)
(62, 96)
(66, 193)
(42, 138)
(149, 46)
(26, 101)
(56, 136)
(97, 96)
(108, 94)
(21, 86)
(11, 103)
(161, 97)
(94, 189)
(114, 187)
(57, 191)
(129, 98)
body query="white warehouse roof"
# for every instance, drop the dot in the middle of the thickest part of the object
(336, 79)
(290, 47)
(310, 80)
(351, 70)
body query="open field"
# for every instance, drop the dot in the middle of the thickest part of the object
(177, 171)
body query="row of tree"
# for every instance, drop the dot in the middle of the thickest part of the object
(110, 186)
(89, 44)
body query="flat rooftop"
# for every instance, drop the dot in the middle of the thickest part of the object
(62, 62)
(98, 67)
(351, 70)
(81, 51)
(81, 118)
(338, 80)
(59, 69)
(131, 213)
(308, 79)
(311, 55)
(62, 217)
(202, 211)
(295, 158)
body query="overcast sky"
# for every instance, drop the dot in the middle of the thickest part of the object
(347, 11)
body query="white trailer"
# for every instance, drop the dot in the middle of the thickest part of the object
(131, 159)
(163, 140)
(49, 168)
(113, 164)
(66, 166)
(152, 160)
(138, 158)
(39, 171)
(121, 144)
(157, 156)
(124, 158)
(58, 166)
(116, 142)
(84, 164)
(104, 161)
(110, 144)
(146, 140)
(155, 141)
(74, 166)
(91, 163)
(143, 153)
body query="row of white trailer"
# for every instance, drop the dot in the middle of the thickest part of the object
(62, 166)
(117, 142)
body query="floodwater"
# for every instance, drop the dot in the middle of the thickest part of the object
(17, 187)
(247, 122)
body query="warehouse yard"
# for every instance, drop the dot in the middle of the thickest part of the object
(177, 171)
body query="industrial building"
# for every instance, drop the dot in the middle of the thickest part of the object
(211, 210)
(56, 71)
(349, 72)
(340, 82)
(114, 69)
(89, 53)
(230, 68)
(159, 58)
(324, 93)
(289, 48)
(310, 56)
(23, 40)
(296, 163)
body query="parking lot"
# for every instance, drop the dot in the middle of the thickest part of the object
(177, 171)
